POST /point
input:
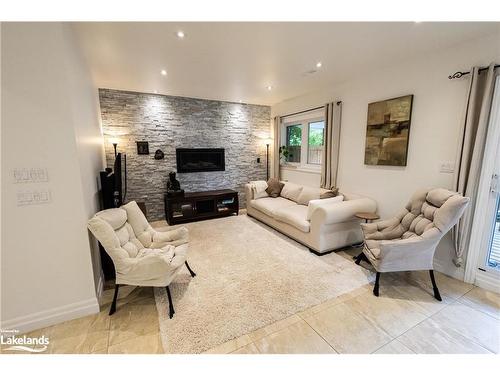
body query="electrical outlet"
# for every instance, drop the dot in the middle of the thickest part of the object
(447, 167)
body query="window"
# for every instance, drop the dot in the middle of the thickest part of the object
(293, 143)
(315, 142)
(303, 137)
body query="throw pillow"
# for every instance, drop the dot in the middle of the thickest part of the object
(333, 192)
(291, 191)
(308, 194)
(274, 187)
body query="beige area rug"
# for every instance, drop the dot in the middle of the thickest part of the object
(248, 276)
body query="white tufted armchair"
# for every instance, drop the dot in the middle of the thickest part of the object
(408, 241)
(141, 255)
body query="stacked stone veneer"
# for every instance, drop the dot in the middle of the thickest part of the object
(169, 122)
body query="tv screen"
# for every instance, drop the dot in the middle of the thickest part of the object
(200, 160)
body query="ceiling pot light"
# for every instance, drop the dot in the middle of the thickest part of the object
(163, 72)
(318, 64)
(269, 88)
(180, 34)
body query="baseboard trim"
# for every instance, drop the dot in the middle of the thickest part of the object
(53, 316)
(487, 281)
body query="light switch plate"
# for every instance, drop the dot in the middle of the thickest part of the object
(447, 167)
(33, 197)
(30, 175)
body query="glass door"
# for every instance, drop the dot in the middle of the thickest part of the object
(492, 255)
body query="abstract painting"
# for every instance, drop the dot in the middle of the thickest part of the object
(387, 131)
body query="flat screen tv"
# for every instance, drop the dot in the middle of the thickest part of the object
(200, 160)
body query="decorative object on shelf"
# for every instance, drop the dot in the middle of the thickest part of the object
(173, 186)
(387, 131)
(159, 155)
(142, 148)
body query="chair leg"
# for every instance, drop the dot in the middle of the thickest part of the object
(359, 258)
(189, 269)
(171, 311)
(113, 304)
(375, 288)
(434, 286)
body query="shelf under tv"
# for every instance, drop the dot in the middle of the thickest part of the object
(200, 206)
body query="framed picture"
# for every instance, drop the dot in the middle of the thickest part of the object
(142, 148)
(388, 131)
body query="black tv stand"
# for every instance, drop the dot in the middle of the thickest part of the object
(200, 206)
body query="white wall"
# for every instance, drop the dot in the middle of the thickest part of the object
(437, 111)
(49, 120)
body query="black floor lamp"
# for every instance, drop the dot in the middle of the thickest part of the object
(268, 142)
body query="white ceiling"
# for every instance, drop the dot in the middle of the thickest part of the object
(237, 61)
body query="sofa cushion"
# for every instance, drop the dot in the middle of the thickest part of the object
(270, 205)
(291, 191)
(259, 189)
(274, 187)
(325, 194)
(295, 216)
(315, 203)
(308, 194)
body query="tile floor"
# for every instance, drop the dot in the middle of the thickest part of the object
(404, 319)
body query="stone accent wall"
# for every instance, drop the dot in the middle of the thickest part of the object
(169, 122)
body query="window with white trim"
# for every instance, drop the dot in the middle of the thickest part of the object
(303, 139)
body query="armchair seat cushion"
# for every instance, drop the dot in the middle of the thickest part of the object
(270, 205)
(295, 215)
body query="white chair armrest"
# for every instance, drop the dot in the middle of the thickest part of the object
(173, 237)
(414, 253)
(342, 211)
(148, 267)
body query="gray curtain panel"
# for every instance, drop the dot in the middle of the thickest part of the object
(329, 166)
(471, 151)
(276, 147)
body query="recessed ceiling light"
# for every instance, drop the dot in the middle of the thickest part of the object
(156, 91)
(180, 34)
(240, 101)
(318, 64)
(269, 88)
(163, 72)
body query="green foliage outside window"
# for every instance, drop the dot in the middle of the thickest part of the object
(294, 135)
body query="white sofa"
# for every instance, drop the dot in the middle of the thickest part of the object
(321, 225)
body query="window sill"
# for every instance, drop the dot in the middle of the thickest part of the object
(301, 168)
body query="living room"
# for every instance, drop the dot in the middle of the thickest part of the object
(199, 187)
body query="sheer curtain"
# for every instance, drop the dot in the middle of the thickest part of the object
(329, 166)
(276, 147)
(473, 132)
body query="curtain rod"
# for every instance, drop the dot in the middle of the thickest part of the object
(460, 74)
(305, 110)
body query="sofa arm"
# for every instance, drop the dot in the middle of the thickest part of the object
(342, 211)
